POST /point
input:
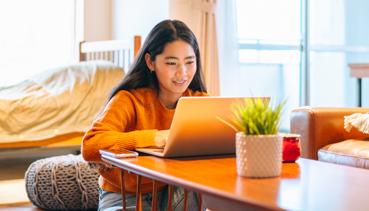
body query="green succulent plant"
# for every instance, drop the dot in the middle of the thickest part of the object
(256, 117)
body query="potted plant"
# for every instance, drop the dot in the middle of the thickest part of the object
(258, 144)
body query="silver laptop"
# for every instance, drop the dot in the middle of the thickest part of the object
(196, 128)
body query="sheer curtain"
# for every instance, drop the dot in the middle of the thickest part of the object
(35, 35)
(200, 16)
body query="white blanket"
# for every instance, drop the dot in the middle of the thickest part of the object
(58, 101)
(359, 121)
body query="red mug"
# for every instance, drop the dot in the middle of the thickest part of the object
(291, 147)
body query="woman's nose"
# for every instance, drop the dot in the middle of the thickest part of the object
(181, 71)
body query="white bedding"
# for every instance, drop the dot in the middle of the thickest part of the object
(58, 101)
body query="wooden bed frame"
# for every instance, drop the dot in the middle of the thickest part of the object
(119, 52)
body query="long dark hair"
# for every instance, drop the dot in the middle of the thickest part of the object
(163, 33)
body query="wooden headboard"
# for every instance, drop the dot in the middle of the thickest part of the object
(119, 52)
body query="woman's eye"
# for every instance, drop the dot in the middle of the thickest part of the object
(171, 63)
(190, 62)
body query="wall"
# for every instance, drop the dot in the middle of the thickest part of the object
(137, 17)
(121, 19)
(98, 20)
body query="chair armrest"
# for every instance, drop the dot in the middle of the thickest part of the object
(319, 127)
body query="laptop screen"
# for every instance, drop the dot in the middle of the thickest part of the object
(197, 130)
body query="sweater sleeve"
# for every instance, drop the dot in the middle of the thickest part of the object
(108, 130)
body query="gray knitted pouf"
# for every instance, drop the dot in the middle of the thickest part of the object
(62, 183)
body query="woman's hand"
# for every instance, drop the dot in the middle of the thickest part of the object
(161, 138)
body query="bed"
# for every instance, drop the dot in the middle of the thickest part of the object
(54, 108)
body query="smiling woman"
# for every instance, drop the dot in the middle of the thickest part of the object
(175, 69)
(35, 35)
(141, 109)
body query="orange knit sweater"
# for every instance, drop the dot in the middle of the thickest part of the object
(130, 120)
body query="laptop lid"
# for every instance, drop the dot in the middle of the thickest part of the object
(196, 129)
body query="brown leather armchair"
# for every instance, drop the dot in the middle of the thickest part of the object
(320, 127)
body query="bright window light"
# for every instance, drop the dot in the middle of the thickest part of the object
(276, 20)
(35, 35)
(267, 30)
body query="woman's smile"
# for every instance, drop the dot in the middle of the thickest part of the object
(180, 82)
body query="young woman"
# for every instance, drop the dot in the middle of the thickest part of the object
(141, 108)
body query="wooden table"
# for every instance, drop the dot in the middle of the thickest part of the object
(305, 185)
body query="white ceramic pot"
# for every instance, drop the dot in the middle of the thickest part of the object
(258, 155)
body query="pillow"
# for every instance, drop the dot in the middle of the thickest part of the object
(358, 121)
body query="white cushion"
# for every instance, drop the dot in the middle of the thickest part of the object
(349, 152)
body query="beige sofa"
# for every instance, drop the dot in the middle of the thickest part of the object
(323, 136)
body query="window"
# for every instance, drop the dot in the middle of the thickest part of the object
(268, 31)
(300, 51)
(338, 36)
(269, 51)
(35, 35)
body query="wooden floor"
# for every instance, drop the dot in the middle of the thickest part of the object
(13, 166)
(19, 207)
(13, 194)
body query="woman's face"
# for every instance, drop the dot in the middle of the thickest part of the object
(175, 67)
